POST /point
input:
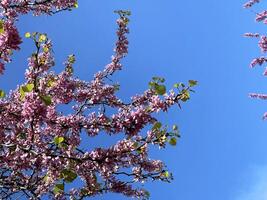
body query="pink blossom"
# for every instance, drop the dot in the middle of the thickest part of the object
(263, 44)
(41, 146)
(258, 61)
(259, 96)
(250, 3)
(256, 35)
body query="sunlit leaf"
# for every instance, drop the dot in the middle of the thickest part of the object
(58, 140)
(185, 95)
(42, 38)
(25, 88)
(22, 93)
(50, 83)
(166, 174)
(1, 26)
(2, 94)
(28, 35)
(28, 88)
(45, 49)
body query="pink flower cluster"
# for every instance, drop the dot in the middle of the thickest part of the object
(251, 35)
(11, 9)
(260, 17)
(250, 3)
(40, 148)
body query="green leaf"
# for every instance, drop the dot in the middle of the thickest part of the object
(50, 83)
(71, 59)
(47, 100)
(68, 175)
(58, 140)
(139, 151)
(175, 127)
(152, 84)
(1, 26)
(173, 141)
(123, 12)
(156, 126)
(2, 94)
(58, 188)
(158, 79)
(192, 83)
(84, 191)
(22, 135)
(160, 89)
(166, 174)
(136, 145)
(42, 38)
(25, 88)
(28, 88)
(27, 35)
(116, 87)
(176, 85)
(185, 95)
(22, 93)
(45, 49)
(45, 178)
(147, 194)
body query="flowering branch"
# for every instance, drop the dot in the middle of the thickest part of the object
(40, 148)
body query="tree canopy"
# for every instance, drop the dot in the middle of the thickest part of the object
(40, 147)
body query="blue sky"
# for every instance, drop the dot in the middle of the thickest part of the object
(222, 152)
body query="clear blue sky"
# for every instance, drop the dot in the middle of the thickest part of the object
(222, 152)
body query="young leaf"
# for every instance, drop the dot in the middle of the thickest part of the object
(1, 26)
(185, 95)
(47, 100)
(173, 141)
(27, 35)
(156, 126)
(45, 49)
(42, 38)
(50, 83)
(58, 140)
(2, 94)
(160, 89)
(147, 194)
(22, 93)
(135, 145)
(28, 88)
(68, 175)
(24, 89)
(166, 174)
(176, 85)
(192, 83)
(71, 59)
(58, 188)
